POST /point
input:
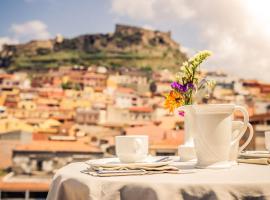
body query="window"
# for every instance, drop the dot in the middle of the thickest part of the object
(15, 195)
(39, 165)
(38, 195)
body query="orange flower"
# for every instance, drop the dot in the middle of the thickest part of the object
(173, 100)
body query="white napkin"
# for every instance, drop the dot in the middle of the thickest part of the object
(255, 157)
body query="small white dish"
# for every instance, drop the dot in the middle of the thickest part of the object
(186, 152)
(150, 161)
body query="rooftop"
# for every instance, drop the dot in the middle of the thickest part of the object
(22, 186)
(57, 146)
(141, 109)
(125, 90)
(16, 183)
(158, 135)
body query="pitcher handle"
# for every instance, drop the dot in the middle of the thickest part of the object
(242, 129)
(251, 132)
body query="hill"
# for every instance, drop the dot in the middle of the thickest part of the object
(127, 46)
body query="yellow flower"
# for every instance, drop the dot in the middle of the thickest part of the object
(173, 100)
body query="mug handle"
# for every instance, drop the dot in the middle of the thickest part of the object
(242, 129)
(251, 132)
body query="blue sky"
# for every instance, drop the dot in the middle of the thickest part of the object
(69, 17)
(73, 17)
(237, 32)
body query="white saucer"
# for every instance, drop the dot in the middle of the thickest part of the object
(115, 162)
(218, 165)
(190, 164)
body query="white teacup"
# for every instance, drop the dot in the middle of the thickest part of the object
(267, 140)
(131, 148)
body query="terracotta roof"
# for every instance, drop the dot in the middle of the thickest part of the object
(61, 117)
(113, 124)
(9, 76)
(98, 89)
(109, 139)
(57, 146)
(41, 136)
(47, 101)
(251, 81)
(164, 146)
(67, 125)
(23, 186)
(95, 75)
(141, 109)
(125, 90)
(265, 88)
(154, 132)
(158, 135)
(52, 122)
(168, 122)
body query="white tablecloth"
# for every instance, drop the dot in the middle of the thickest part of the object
(244, 181)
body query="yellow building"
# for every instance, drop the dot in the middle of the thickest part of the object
(74, 103)
(49, 126)
(13, 124)
(27, 105)
(5, 93)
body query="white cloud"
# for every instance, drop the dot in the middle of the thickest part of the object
(237, 32)
(173, 10)
(34, 29)
(152, 9)
(240, 44)
(139, 9)
(149, 27)
(24, 32)
(7, 40)
(189, 51)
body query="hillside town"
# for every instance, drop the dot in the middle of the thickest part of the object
(50, 119)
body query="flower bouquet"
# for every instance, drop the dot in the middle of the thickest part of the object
(189, 87)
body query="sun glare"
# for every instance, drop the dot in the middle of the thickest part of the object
(259, 10)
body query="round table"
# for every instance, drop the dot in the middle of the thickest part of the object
(242, 181)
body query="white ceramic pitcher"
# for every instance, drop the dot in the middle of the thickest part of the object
(213, 135)
(235, 149)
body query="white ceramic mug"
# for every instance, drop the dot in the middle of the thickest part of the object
(267, 140)
(235, 149)
(213, 136)
(131, 148)
(186, 151)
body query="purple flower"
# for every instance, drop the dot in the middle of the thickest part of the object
(190, 85)
(182, 88)
(179, 87)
